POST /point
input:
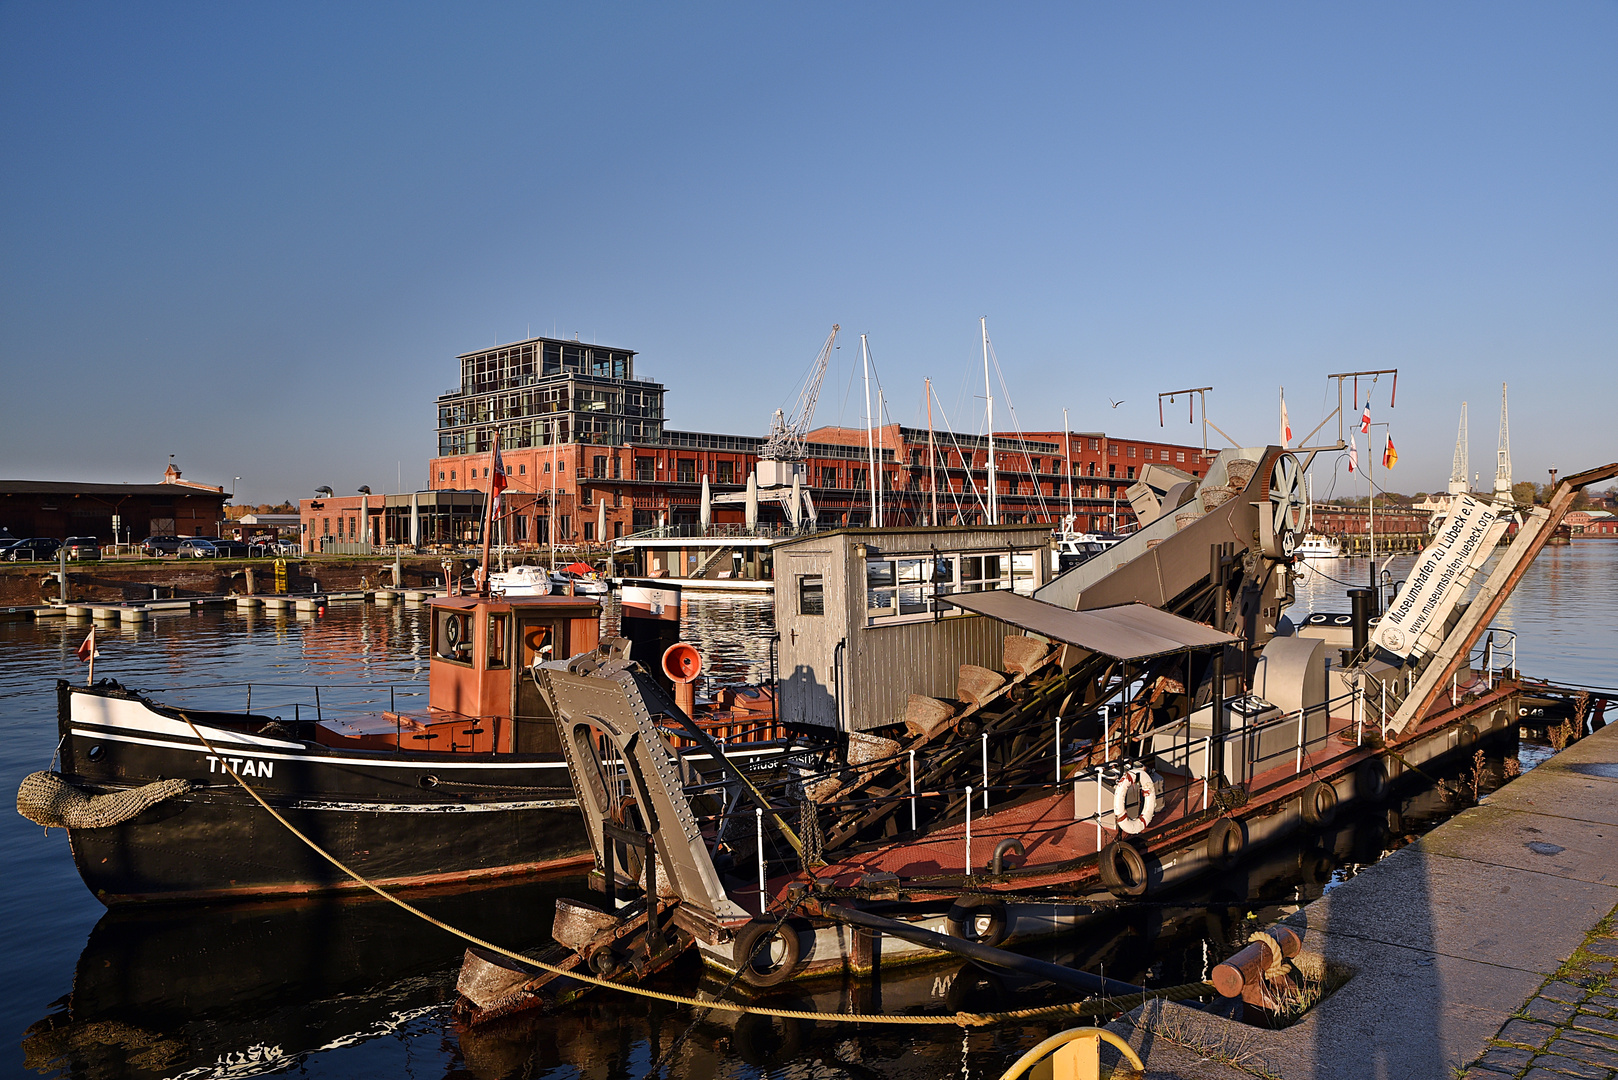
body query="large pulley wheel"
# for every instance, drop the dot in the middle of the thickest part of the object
(1286, 519)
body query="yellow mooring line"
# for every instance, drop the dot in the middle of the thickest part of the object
(1105, 1006)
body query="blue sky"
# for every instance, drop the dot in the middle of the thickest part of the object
(256, 236)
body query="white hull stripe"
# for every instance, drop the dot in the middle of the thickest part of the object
(324, 759)
(432, 808)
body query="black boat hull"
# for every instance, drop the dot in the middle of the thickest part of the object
(400, 820)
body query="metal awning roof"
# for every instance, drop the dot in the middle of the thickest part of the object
(1125, 632)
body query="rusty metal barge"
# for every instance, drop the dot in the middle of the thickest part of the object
(984, 757)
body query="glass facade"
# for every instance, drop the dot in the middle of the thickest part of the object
(541, 390)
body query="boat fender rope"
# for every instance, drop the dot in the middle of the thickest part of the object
(1098, 1007)
(46, 799)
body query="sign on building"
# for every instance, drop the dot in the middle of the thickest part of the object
(1414, 624)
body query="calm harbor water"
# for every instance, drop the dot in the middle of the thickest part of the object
(355, 988)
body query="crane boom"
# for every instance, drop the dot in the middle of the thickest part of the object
(786, 441)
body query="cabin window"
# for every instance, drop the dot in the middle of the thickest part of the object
(811, 594)
(452, 636)
(907, 586)
(497, 640)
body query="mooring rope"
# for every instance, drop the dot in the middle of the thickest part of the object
(1101, 1007)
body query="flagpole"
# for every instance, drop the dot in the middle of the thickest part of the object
(90, 681)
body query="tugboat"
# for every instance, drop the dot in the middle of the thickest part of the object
(473, 787)
(470, 787)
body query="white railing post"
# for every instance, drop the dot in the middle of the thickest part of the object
(1058, 751)
(1382, 718)
(1207, 768)
(1359, 718)
(1098, 811)
(1298, 765)
(1106, 733)
(912, 791)
(985, 772)
(969, 830)
(1454, 682)
(763, 900)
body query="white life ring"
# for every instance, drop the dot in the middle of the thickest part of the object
(1147, 782)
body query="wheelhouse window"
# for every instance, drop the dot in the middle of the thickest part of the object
(811, 594)
(452, 636)
(497, 640)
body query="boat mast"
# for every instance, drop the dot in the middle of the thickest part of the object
(870, 443)
(994, 502)
(488, 520)
(881, 496)
(556, 469)
(932, 457)
(1067, 441)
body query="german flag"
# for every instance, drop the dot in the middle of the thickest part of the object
(1390, 456)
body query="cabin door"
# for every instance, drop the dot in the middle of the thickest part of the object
(809, 617)
(538, 640)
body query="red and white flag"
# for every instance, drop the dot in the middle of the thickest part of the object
(87, 649)
(497, 483)
(1353, 454)
(1365, 419)
(1286, 425)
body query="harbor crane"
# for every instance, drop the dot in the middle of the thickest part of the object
(786, 441)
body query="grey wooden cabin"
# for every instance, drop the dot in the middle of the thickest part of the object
(861, 629)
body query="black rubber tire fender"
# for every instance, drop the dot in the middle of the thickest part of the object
(1372, 781)
(967, 910)
(1123, 870)
(753, 936)
(976, 989)
(1227, 838)
(1319, 803)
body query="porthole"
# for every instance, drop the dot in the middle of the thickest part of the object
(96, 753)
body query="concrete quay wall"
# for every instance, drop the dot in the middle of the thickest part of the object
(1453, 942)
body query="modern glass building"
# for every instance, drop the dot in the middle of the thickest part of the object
(540, 390)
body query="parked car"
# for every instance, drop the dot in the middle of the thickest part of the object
(230, 549)
(197, 547)
(82, 547)
(160, 545)
(37, 549)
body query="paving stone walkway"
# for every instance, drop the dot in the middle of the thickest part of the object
(1570, 1027)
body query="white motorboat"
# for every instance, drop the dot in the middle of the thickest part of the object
(1315, 546)
(522, 581)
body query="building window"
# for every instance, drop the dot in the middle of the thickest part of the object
(522, 470)
(1132, 472)
(547, 466)
(1113, 449)
(1148, 453)
(725, 472)
(1095, 444)
(325, 526)
(451, 475)
(485, 472)
(589, 530)
(811, 594)
(600, 466)
(686, 471)
(440, 475)
(1112, 470)
(617, 467)
(1179, 455)
(828, 476)
(1131, 451)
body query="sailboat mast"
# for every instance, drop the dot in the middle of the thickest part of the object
(932, 458)
(556, 469)
(881, 496)
(994, 501)
(1067, 441)
(870, 442)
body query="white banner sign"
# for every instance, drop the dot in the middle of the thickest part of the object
(1415, 621)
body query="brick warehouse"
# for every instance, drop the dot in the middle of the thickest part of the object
(584, 443)
(175, 507)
